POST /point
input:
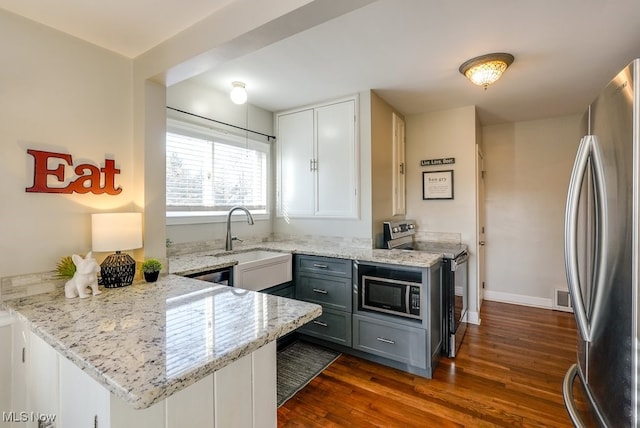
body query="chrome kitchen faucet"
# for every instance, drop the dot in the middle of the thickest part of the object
(229, 244)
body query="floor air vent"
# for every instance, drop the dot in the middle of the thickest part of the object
(562, 301)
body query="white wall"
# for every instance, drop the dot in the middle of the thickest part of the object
(63, 95)
(198, 99)
(445, 134)
(528, 167)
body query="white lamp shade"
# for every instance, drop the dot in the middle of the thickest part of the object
(116, 231)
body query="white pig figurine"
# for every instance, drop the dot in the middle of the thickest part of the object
(86, 276)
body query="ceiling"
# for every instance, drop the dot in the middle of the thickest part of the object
(408, 51)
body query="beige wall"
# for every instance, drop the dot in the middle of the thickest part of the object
(62, 95)
(445, 134)
(528, 167)
(381, 165)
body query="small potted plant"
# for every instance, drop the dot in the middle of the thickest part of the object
(65, 268)
(151, 269)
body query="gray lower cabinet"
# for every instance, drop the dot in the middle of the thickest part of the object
(332, 325)
(325, 290)
(286, 289)
(401, 343)
(326, 281)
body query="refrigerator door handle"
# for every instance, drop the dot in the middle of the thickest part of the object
(567, 394)
(588, 150)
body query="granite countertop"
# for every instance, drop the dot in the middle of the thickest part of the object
(196, 262)
(147, 341)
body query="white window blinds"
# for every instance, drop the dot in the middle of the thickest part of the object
(211, 172)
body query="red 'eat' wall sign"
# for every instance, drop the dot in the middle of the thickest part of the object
(88, 177)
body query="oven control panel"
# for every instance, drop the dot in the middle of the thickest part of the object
(398, 229)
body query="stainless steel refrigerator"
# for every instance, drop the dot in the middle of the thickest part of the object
(601, 255)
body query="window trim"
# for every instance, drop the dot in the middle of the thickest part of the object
(195, 216)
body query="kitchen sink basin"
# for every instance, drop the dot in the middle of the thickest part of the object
(256, 255)
(260, 269)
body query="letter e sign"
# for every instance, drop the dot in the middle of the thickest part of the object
(88, 178)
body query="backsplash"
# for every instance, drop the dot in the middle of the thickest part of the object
(15, 287)
(441, 237)
(217, 245)
(339, 241)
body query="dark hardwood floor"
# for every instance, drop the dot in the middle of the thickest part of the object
(508, 372)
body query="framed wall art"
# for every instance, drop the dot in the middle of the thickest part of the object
(437, 184)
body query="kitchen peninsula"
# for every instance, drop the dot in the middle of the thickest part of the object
(333, 275)
(166, 354)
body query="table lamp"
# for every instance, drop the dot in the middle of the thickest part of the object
(116, 232)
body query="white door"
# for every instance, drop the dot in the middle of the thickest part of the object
(335, 160)
(296, 163)
(480, 251)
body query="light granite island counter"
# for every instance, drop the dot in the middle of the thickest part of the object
(175, 353)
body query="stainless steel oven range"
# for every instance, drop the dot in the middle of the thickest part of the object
(399, 234)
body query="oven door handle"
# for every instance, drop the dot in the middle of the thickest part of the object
(461, 259)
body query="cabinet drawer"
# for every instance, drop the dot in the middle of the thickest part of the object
(328, 291)
(394, 341)
(325, 265)
(334, 326)
(282, 290)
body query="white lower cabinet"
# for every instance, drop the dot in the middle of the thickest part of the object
(242, 394)
(5, 365)
(43, 399)
(264, 387)
(193, 406)
(83, 402)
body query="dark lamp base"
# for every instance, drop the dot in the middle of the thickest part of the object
(117, 270)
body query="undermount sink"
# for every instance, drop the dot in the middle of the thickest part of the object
(260, 269)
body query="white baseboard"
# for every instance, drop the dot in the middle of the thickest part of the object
(473, 317)
(518, 299)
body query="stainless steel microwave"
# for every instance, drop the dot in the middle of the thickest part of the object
(391, 296)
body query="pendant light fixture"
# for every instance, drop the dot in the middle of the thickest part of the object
(486, 69)
(238, 93)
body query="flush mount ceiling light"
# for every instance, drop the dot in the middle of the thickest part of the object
(238, 93)
(486, 69)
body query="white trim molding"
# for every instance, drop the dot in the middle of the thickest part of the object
(518, 299)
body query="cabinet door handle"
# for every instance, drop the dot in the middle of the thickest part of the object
(318, 290)
(310, 164)
(383, 340)
(402, 168)
(320, 266)
(321, 324)
(24, 354)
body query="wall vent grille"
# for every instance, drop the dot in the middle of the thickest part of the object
(562, 300)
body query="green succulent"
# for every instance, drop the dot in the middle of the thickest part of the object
(151, 265)
(65, 267)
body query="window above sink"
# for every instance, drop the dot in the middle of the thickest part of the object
(209, 171)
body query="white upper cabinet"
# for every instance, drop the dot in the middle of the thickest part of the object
(399, 165)
(295, 163)
(317, 161)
